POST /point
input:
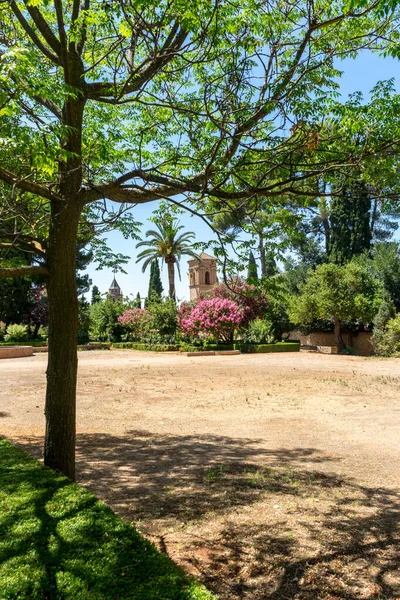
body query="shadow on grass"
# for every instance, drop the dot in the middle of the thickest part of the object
(60, 542)
(252, 523)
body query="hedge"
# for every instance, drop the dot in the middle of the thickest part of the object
(59, 541)
(146, 347)
(245, 348)
(263, 348)
(33, 343)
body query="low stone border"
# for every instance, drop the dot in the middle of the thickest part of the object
(327, 349)
(85, 347)
(214, 353)
(15, 351)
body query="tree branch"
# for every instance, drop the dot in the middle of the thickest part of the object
(27, 186)
(26, 271)
(32, 34)
(44, 29)
(137, 79)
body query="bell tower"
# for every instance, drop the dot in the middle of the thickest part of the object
(202, 274)
(114, 291)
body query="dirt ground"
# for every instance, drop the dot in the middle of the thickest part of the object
(265, 476)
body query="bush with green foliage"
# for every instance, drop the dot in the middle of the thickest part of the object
(3, 330)
(380, 338)
(104, 325)
(83, 321)
(164, 317)
(387, 343)
(259, 331)
(16, 333)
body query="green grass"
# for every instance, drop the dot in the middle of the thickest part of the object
(59, 542)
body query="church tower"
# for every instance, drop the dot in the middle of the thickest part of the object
(115, 291)
(202, 275)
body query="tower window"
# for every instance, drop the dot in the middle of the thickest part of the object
(207, 278)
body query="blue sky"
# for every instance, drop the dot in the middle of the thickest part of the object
(360, 74)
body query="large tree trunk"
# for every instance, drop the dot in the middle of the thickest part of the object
(59, 450)
(171, 279)
(338, 335)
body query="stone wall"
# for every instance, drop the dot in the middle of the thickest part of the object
(360, 342)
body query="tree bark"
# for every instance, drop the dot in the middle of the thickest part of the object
(171, 278)
(338, 335)
(60, 410)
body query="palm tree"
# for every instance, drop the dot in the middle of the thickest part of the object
(169, 245)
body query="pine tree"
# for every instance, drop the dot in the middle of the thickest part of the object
(350, 223)
(95, 294)
(252, 275)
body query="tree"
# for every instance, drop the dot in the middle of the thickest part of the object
(252, 275)
(86, 91)
(339, 293)
(155, 286)
(168, 244)
(138, 301)
(95, 294)
(350, 223)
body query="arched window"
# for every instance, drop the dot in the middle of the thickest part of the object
(207, 278)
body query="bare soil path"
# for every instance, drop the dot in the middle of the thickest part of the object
(266, 476)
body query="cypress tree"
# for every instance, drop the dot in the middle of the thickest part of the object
(350, 223)
(138, 302)
(95, 294)
(252, 275)
(270, 264)
(155, 286)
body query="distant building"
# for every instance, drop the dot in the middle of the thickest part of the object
(114, 291)
(202, 275)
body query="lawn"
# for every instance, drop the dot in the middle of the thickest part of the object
(58, 541)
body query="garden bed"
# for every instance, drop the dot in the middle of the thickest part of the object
(15, 351)
(59, 541)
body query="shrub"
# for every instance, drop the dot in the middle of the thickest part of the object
(387, 341)
(251, 299)
(259, 332)
(3, 330)
(43, 332)
(164, 317)
(136, 321)
(218, 317)
(104, 325)
(16, 333)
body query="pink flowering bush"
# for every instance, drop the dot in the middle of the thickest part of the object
(252, 301)
(136, 321)
(217, 316)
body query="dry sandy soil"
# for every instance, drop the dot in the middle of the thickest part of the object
(265, 476)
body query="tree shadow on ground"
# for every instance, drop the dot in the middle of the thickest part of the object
(251, 523)
(59, 542)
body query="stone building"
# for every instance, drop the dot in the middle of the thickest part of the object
(114, 291)
(202, 275)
